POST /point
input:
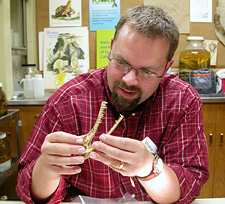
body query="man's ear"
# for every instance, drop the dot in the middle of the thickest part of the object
(112, 40)
(169, 64)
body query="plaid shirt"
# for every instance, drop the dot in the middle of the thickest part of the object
(172, 118)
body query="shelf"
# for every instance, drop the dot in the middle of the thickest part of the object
(19, 51)
(6, 174)
(11, 115)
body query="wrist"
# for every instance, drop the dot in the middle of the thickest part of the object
(157, 167)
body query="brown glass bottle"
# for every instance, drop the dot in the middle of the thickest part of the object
(193, 57)
(5, 153)
(3, 102)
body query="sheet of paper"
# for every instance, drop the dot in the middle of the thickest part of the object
(66, 54)
(103, 14)
(103, 43)
(211, 46)
(65, 13)
(177, 9)
(41, 50)
(201, 11)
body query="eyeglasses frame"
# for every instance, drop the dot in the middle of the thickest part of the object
(130, 67)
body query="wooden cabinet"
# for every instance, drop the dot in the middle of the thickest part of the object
(214, 124)
(27, 116)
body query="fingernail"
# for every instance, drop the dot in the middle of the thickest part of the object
(79, 140)
(102, 138)
(80, 159)
(92, 155)
(81, 150)
(95, 145)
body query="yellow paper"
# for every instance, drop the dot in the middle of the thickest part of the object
(103, 43)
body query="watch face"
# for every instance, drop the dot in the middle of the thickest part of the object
(158, 165)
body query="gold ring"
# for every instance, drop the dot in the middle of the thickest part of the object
(121, 165)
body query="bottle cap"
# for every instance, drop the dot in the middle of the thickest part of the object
(2, 135)
(28, 76)
(195, 38)
(38, 76)
(28, 65)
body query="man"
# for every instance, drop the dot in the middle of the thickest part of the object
(157, 152)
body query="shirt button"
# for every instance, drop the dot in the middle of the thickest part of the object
(133, 114)
(133, 195)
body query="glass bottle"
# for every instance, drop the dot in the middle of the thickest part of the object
(193, 57)
(3, 102)
(5, 153)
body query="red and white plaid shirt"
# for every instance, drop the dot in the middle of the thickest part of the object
(172, 118)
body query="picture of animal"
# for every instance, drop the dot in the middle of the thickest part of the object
(64, 10)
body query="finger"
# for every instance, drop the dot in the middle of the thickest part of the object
(120, 142)
(113, 163)
(63, 137)
(62, 149)
(62, 160)
(113, 152)
(125, 168)
(65, 170)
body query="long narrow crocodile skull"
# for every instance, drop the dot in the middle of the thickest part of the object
(89, 136)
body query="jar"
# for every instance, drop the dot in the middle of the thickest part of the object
(3, 102)
(193, 57)
(5, 153)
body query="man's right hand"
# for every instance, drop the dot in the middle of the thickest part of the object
(62, 153)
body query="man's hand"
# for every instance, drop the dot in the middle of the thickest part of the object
(62, 153)
(112, 150)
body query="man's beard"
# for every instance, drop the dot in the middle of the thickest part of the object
(125, 104)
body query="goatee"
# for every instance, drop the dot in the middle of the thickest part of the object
(122, 103)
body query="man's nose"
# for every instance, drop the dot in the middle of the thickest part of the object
(130, 78)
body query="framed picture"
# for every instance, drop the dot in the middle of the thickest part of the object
(65, 13)
(66, 55)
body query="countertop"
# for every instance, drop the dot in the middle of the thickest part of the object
(197, 201)
(41, 101)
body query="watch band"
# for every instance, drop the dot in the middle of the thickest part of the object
(157, 169)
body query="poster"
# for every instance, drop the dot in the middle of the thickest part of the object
(65, 13)
(103, 43)
(103, 14)
(66, 55)
(177, 9)
(201, 11)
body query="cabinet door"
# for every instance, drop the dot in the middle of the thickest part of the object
(209, 113)
(219, 177)
(10, 130)
(28, 116)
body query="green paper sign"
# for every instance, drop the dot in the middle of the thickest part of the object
(103, 43)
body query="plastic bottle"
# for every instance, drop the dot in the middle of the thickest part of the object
(5, 153)
(29, 69)
(193, 57)
(39, 91)
(3, 102)
(28, 87)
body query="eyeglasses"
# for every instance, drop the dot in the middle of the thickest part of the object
(141, 73)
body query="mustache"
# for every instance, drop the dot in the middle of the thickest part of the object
(122, 84)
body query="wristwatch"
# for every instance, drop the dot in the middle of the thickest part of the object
(157, 169)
